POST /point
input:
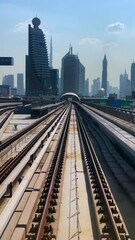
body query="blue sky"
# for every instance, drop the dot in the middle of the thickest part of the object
(93, 27)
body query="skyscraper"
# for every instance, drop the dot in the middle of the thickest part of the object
(95, 86)
(86, 87)
(20, 84)
(72, 73)
(104, 75)
(81, 79)
(121, 86)
(54, 77)
(125, 86)
(37, 66)
(51, 54)
(133, 79)
(8, 80)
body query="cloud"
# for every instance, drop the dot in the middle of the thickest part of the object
(88, 40)
(22, 26)
(116, 28)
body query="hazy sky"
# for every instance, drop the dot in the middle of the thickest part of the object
(93, 27)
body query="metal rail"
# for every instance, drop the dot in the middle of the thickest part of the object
(43, 220)
(5, 118)
(12, 162)
(18, 194)
(114, 228)
(58, 159)
(3, 110)
(74, 184)
(9, 141)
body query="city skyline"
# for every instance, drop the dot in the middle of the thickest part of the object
(94, 28)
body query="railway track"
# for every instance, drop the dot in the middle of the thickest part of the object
(42, 224)
(8, 166)
(37, 218)
(11, 163)
(38, 166)
(4, 110)
(110, 223)
(5, 117)
(19, 134)
(114, 158)
(32, 129)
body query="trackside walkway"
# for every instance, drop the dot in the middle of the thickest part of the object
(74, 220)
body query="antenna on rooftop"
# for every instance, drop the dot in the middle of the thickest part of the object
(70, 49)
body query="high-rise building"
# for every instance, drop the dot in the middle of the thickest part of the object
(14, 91)
(133, 78)
(72, 74)
(124, 86)
(37, 65)
(86, 87)
(8, 80)
(51, 54)
(95, 86)
(121, 86)
(113, 90)
(54, 77)
(81, 79)
(5, 90)
(20, 84)
(108, 89)
(104, 75)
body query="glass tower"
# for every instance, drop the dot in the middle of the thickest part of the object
(133, 77)
(104, 75)
(37, 65)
